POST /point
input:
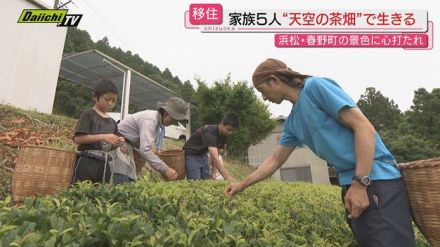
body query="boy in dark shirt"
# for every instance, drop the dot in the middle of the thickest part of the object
(96, 133)
(208, 139)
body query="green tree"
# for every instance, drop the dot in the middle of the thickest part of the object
(103, 45)
(382, 112)
(150, 69)
(77, 40)
(167, 74)
(71, 99)
(408, 147)
(225, 96)
(424, 116)
(187, 91)
(417, 135)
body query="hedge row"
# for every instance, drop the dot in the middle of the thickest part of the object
(184, 213)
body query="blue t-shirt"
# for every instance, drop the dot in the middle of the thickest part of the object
(313, 121)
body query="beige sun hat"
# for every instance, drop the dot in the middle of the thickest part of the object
(176, 107)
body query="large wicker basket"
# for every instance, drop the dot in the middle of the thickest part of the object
(174, 159)
(40, 171)
(422, 179)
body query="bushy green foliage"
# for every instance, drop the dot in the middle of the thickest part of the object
(424, 116)
(179, 214)
(411, 136)
(382, 112)
(183, 213)
(71, 99)
(408, 146)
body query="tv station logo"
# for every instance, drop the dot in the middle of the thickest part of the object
(58, 16)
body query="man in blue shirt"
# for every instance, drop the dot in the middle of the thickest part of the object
(327, 120)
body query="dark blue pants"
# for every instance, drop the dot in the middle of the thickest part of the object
(121, 178)
(387, 220)
(197, 167)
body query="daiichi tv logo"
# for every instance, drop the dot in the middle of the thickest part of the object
(59, 16)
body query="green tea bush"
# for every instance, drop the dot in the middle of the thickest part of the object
(184, 213)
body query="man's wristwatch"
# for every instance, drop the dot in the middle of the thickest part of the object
(364, 180)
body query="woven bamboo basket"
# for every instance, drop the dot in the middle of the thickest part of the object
(422, 179)
(174, 159)
(41, 171)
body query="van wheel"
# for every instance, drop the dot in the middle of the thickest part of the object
(182, 138)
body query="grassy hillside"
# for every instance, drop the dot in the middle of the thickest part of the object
(19, 127)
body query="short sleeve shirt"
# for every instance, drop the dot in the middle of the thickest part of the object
(314, 121)
(91, 123)
(204, 137)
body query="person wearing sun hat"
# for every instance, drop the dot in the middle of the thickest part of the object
(327, 120)
(146, 129)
